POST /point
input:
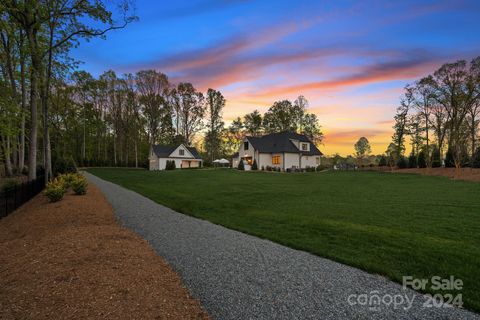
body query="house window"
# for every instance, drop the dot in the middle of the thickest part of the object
(318, 160)
(304, 146)
(181, 152)
(245, 145)
(276, 160)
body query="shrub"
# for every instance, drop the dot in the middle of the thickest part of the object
(449, 162)
(55, 190)
(383, 161)
(62, 166)
(422, 160)
(68, 179)
(436, 161)
(402, 163)
(241, 166)
(254, 165)
(79, 185)
(263, 168)
(412, 161)
(476, 159)
(268, 168)
(170, 165)
(9, 185)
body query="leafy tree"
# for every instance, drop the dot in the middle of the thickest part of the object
(253, 123)
(213, 139)
(282, 116)
(311, 128)
(234, 135)
(362, 148)
(401, 122)
(191, 110)
(153, 91)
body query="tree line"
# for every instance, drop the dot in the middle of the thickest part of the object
(51, 111)
(439, 114)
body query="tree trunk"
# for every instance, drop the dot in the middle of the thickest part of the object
(136, 154)
(21, 149)
(6, 152)
(32, 150)
(473, 141)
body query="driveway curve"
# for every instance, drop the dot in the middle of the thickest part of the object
(238, 276)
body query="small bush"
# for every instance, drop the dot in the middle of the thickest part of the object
(170, 165)
(263, 168)
(382, 162)
(55, 190)
(412, 160)
(68, 179)
(476, 159)
(241, 166)
(9, 186)
(422, 159)
(63, 166)
(436, 161)
(402, 163)
(254, 165)
(449, 162)
(79, 185)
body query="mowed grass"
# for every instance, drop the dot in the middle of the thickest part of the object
(392, 224)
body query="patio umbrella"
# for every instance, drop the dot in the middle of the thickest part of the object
(223, 161)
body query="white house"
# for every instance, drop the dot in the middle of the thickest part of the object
(184, 157)
(284, 150)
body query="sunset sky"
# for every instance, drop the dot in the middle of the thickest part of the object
(350, 59)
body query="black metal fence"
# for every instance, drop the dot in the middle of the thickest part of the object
(14, 196)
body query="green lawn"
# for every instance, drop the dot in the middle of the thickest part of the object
(391, 224)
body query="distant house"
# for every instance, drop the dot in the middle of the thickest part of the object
(284, 150)
(184, 157)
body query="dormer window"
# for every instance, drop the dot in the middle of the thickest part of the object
(304, 146)
(181, 152)
(245, 145)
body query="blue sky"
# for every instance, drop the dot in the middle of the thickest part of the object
(351, 59)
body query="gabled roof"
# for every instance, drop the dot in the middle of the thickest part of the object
(282, 142)
(164, 151)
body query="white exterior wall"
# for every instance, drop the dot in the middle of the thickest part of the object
(292, 160)
(162, 163)
(264, 160)
(153, 162)
(246, 153)
(176, 153)
(310, 161)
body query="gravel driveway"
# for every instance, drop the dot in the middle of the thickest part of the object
(238, 276)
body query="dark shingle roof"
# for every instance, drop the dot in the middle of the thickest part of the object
(281, 142)
(163, 151)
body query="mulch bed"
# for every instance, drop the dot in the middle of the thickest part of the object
(460, 174)
(71, 260)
